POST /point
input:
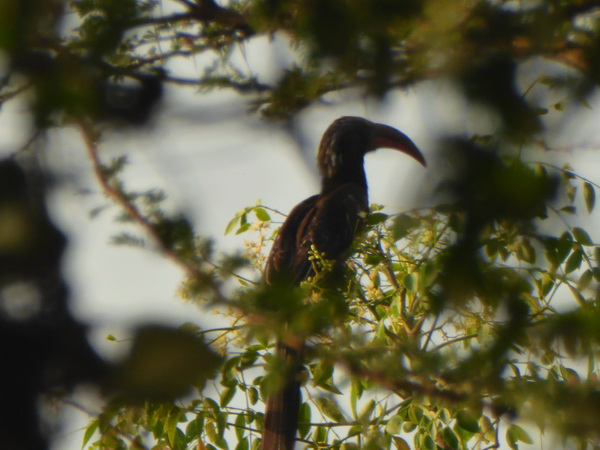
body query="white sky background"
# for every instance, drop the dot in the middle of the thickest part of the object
(213, 159)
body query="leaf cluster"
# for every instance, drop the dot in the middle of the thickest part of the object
(424, 339)
(111, 63)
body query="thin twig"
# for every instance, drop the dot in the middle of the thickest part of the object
(190, 268)
(132, 211)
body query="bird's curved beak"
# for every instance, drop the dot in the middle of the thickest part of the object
(387, 137)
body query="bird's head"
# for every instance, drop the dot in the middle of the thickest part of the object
(348, 139)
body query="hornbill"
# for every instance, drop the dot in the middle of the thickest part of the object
(328, 221)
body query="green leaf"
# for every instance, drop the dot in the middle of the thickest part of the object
(320, 434)
(354, 430)
(557, 249)
(367, 410)
(403, 225)
(356, 392)
(171, 425)
(582, 236)
(194, 427)
(589, 195)
(304, 417)
(466, 421)
(463, 434)
(232, 223)
(427, 443)
(584, 280)
(373, 259)
(487, 428)
(574, 261)
(262, 214)
(214, 437)
(516, 434)
(243, 444)
(243, 228)
(526, 252)
(376, 218)
(240, 424)
(415, 413)
(226, 395)
(569, 210)
(330, 408)
(400, 443)
(394, 425)
(409, 282)
(450, 438)
(253, 395)
(89, 431)
(409, 427)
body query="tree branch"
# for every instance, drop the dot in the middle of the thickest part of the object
(191, 269)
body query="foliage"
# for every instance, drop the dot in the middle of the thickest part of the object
(399, 353)
(461, 325)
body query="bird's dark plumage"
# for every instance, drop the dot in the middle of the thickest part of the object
(328, 221)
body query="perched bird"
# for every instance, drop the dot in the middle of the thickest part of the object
(328, 221)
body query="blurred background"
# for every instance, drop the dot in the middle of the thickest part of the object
(215, 151)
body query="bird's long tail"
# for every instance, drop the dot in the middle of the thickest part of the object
(283, 405)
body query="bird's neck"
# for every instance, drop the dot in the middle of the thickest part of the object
(355, 175)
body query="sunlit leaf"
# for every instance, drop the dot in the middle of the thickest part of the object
(394, 425)
(243, 228)
(89, 432)
(515, 434)
(320, 434)
(356, 391)
(171, 425)
(367, 410)
(400, 443)
(240, 424)
(589, 195)
(330, 407)
(415, 413)
(262, 214)
(243, 444)
(227, 395)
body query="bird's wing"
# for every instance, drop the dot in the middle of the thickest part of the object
(279, 266)
(328, 222)
(331, 226)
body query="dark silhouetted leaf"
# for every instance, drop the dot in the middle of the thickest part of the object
(466, 421)
(582, 236)
(166, 363)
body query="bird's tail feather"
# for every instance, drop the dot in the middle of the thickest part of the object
(283, 405)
